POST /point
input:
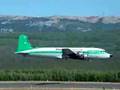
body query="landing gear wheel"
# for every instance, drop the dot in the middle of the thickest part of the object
(82, 57)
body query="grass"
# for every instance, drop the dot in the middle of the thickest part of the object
(58, 75)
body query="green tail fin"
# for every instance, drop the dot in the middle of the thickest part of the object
(23, 43)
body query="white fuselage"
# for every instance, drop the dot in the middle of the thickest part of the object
(57, 52)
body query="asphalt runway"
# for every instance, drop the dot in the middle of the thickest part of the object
(55, 84)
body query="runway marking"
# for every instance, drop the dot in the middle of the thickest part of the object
(56, 89)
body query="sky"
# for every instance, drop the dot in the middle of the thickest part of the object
(60, 7)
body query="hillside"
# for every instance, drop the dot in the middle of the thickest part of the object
(58, 23)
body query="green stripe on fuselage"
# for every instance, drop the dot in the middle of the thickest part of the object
(93, 52)
(53, 53)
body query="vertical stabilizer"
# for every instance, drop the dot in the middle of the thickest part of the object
(23, 43)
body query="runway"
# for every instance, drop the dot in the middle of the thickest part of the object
(58, 84)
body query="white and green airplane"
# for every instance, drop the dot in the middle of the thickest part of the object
(25, 48)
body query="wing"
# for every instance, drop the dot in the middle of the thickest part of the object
(68, 53)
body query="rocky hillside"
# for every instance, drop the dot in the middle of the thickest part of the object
(58, 23)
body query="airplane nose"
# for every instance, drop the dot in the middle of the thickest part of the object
(111, 55)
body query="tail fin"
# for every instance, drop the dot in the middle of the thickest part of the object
(23, 43)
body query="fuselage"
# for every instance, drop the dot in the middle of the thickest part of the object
(58, 52)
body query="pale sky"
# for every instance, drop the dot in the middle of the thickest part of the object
(60, 7)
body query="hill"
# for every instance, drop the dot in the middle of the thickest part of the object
(58, 23)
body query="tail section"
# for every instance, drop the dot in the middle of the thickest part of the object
(23, 43)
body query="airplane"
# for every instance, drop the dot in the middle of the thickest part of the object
(25, 49)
